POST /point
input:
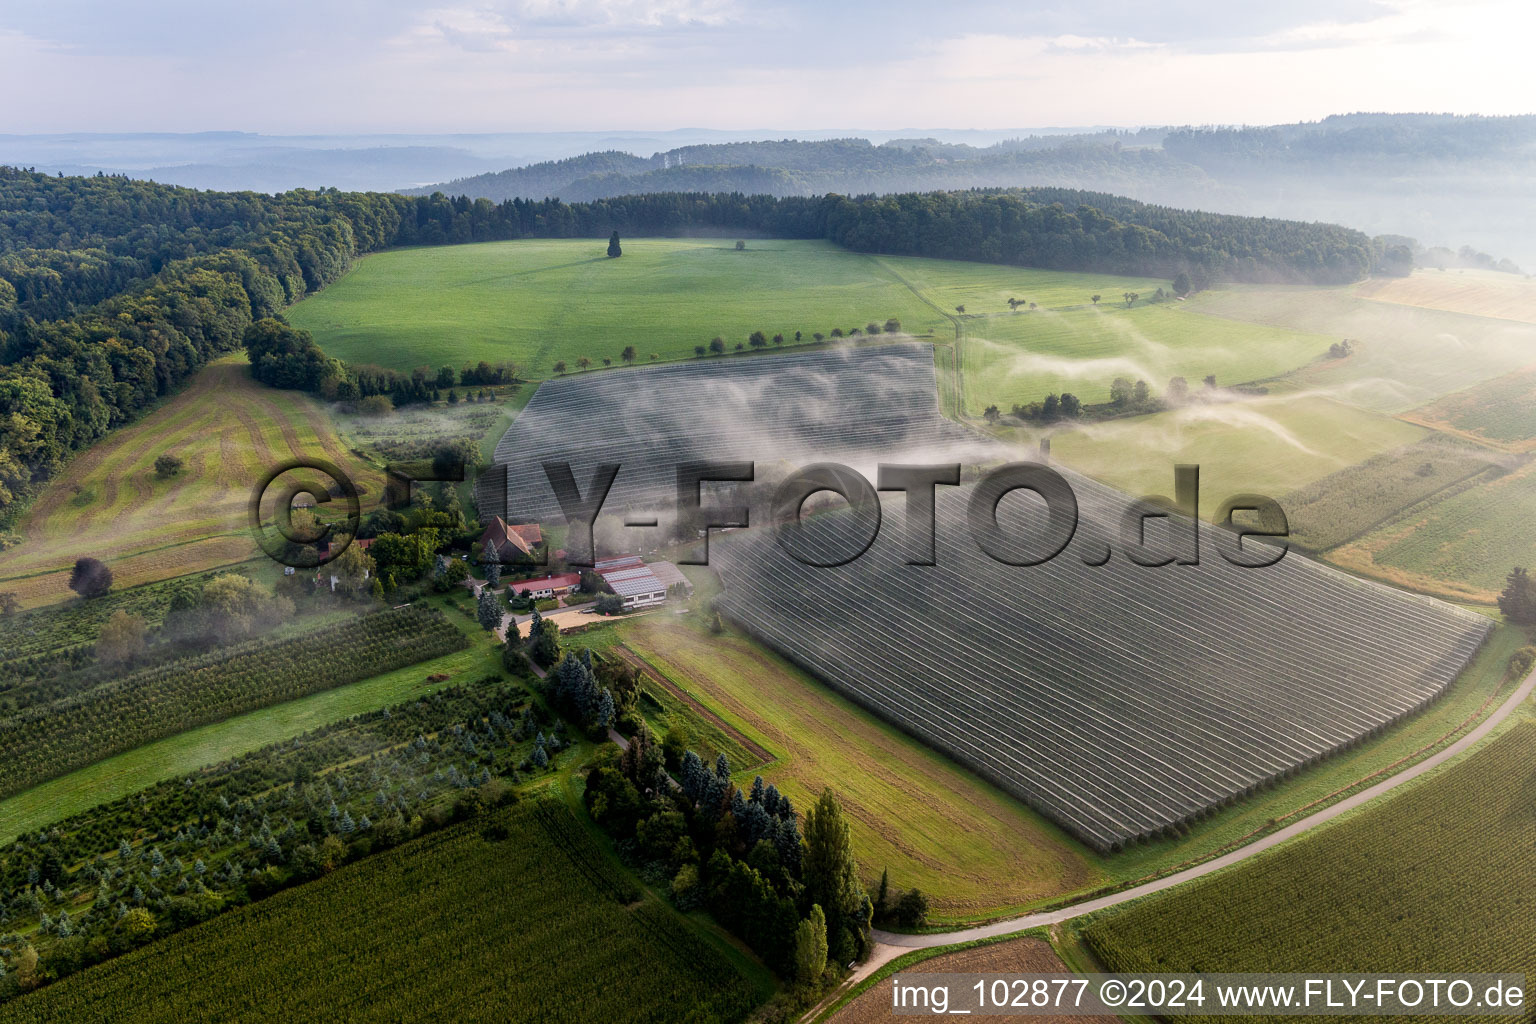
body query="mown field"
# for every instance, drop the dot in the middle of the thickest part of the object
(1404, 356)
(1270, 444)
(1436, 878)
(1017, 358)
(539, 926)
(110, 504)
(974, 850)
(536, 302)
(1478, 292)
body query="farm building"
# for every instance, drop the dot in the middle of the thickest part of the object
(548, 586)
(506, 542)
(634, 581)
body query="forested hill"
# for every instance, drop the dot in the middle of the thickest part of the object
(851, 166)
(113, 292)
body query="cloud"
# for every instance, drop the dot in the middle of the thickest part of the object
(504, 65)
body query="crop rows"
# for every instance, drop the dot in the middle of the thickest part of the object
(1437, 878)
(829, 404)
(517, 934)
(1121, 701)
(48, 740)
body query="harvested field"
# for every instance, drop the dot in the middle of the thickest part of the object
(1479, 292)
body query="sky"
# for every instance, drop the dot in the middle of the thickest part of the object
(338, 66)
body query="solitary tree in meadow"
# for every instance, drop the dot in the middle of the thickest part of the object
(167, 466)
(583, 362)
(1095, 299)
(629, 353)
(740, 245)
(699, 350)
(614, 251)
(717, 345)
(560, 366)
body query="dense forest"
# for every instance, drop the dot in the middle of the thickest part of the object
(114, 292)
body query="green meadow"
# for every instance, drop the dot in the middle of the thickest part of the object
(1018, 358)
(1271, 445)
(538, 302)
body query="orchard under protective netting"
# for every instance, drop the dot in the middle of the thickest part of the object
(1120, 700)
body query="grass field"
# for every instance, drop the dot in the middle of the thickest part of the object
(1460, 545)
(1345, 505)
(535, 302)
(1272, 445)
(1479, 292)
(975, 851)
(1500, 412)
(110, 504)
(1437, 875)
(542, 925)
(984, 288)
(1404, 356)
(1021, 357)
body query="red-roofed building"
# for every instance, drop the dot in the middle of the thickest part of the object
(507, 543)
(548, 586)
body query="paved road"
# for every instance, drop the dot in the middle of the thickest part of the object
(1253, 849)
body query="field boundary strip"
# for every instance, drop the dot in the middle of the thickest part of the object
(639, 661)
